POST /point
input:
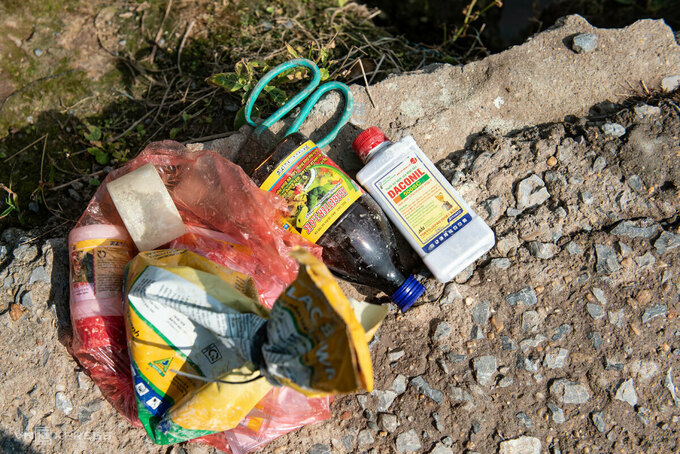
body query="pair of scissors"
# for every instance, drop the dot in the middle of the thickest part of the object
(310, 89)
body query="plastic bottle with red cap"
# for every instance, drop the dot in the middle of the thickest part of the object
(432, 216)
(330, 209)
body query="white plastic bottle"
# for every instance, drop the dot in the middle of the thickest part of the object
(447, 234)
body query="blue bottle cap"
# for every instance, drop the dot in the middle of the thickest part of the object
(408, 293)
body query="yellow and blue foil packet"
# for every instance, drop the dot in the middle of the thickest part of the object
(204, 352)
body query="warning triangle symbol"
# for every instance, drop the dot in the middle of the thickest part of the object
(161, 365)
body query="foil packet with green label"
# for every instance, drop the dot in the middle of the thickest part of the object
(204, 352)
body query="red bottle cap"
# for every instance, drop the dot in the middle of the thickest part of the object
(368, 140)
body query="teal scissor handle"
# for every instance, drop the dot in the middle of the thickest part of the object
(298, 98)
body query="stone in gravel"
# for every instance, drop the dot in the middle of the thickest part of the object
(528, 364)
(494, 208)
(440, 448)
(508, 344)
(584, 43)
(63, 403)
(635, 182)
(399, 384)
(362, 399)
(613, 129)
(385, 399)
(556, 360)
(607, 262)
(25, 253)
(521, 445)
(645, 110)
(505, 382)
(319, 448)
(557, 413)
(524, 420)
(599, 294)
(83, 381)
(668, 383)
(408, 441)
(616, 318)
(39, 275)
(625, 250)
(444, 366)
(502, 263)
(574, 248)
(569, 392)
(595, 310)
(388, 422)
(543, 250)
(424, 387)
(437, 422)
(666, 242)
(526, 296)
(667, 276)
(38, 52)
(646, 260)
(365, 437)
(455, 358)
(530, 192)
(599, 164)
(587, 197)
(3, 252)
(348, 441)
(395, 355)
(596, 339)
(626, 393)
(644, 228)
(562, 331)
(480, 313)
(450, 294)
(530, 321)
(654, 311)
(612, 364)
(598, 421)
(465, 275)
(458, 394)
(443, 330)
(532, 342)
(670, 83)
(485, 368)
(476, 333)
(27, 300)
(644, 370)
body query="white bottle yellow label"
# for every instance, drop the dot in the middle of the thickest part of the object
(421, 203)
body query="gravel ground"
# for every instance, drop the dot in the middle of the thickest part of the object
(565, 338)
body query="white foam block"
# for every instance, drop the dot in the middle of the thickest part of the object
(146, 208)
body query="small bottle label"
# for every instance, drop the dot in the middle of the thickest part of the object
(97, 268)
(316, 190)
(422, 203)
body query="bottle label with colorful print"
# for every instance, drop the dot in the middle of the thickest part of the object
(422, 204)
(316, 189)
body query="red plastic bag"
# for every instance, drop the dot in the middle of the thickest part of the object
(230, 221)
(281, 411)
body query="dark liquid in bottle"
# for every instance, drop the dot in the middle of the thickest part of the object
(359, 246)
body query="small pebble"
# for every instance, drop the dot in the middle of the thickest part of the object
(38, 52)
(613, 129)
(584, 43)
(670, 83)
(598, 420)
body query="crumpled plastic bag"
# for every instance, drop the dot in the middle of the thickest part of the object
(229, 220)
